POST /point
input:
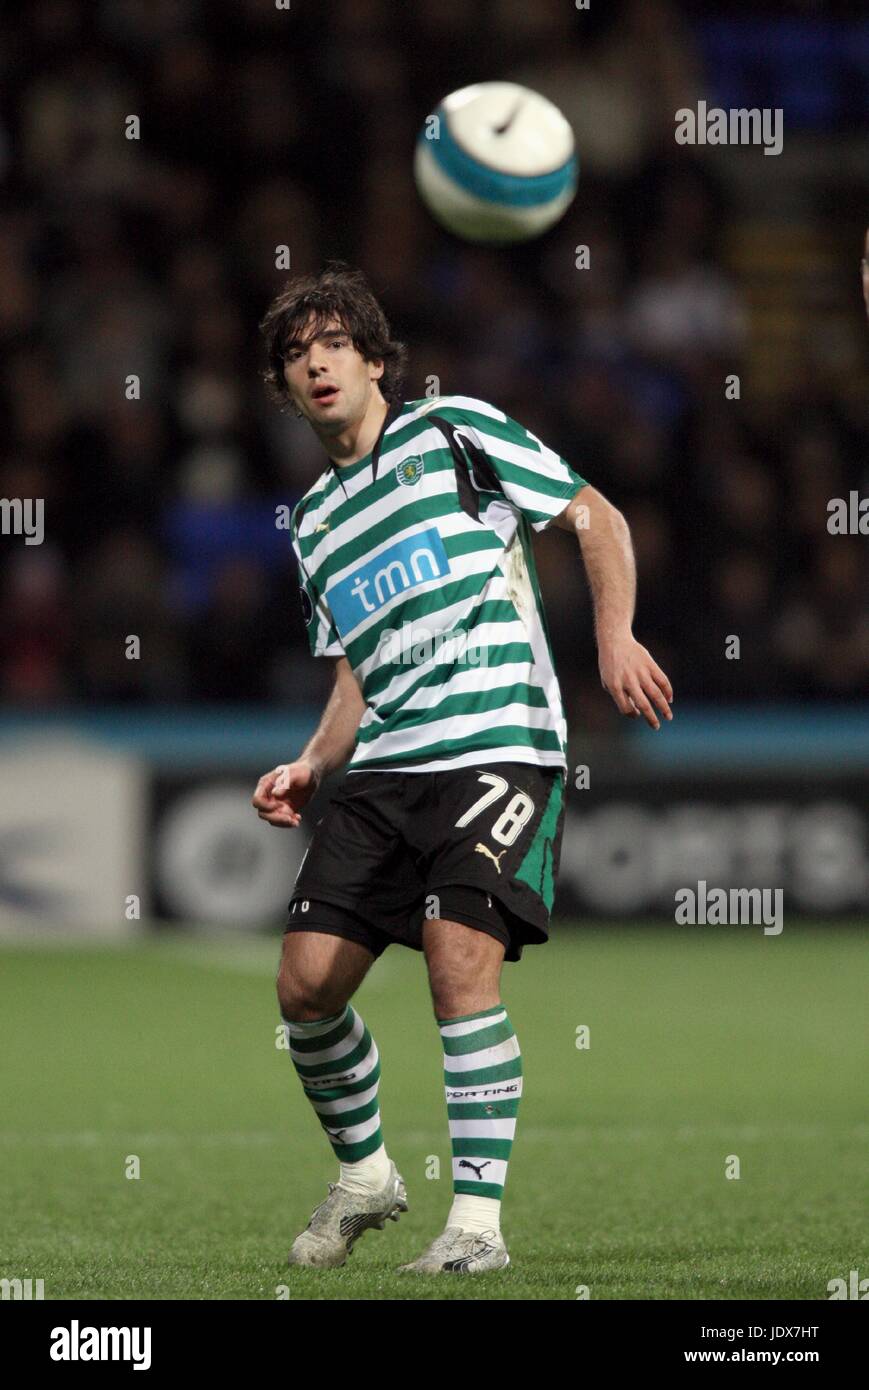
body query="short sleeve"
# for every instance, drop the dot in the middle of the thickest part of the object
(535, 479)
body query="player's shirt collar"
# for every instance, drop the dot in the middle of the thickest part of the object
(394, 410)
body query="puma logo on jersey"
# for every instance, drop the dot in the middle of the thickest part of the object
(495, 858)
(322, 526)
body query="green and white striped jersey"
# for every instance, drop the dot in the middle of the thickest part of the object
(416, 562)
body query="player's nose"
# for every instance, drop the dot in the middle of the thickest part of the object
(316, 360)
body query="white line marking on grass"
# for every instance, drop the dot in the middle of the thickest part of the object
(87, 1138)
(614, 1134)
(248, 958)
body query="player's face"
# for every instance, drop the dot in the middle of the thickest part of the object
(328, 379)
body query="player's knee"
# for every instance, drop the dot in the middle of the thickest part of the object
(303, 999)
(464, 969)
(449, 1003)
(444, 1003)
(454, 995)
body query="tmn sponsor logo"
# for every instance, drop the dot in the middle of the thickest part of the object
(416, 645)
(738, 907)
(738, 126)
(25, 1289)
(403, 566)
(76, 1343)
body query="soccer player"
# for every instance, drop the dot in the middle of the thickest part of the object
(418, 581)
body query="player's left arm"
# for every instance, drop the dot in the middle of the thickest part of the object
(542, 486)
(627, 670)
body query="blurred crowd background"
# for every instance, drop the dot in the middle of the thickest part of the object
(263, 127)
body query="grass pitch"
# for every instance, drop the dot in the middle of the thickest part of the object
(705, 1043)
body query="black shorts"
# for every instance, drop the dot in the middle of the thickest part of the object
(478, 845)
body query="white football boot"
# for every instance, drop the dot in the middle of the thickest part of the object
(338, 1222)
(461, 1252)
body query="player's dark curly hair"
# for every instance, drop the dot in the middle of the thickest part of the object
(338, 292)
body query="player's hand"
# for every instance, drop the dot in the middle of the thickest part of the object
(635, 681)
(282, 793)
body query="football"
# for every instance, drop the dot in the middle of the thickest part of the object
(496, 162)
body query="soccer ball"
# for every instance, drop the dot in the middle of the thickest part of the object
(496, 163)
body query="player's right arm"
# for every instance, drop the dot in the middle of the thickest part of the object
(282, 793)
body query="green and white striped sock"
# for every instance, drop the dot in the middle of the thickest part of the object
(483, 1083)
(339, 1067)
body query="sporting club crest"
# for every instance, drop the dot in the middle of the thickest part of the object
(409, 470)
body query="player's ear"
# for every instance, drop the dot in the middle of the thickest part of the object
(377, 367)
